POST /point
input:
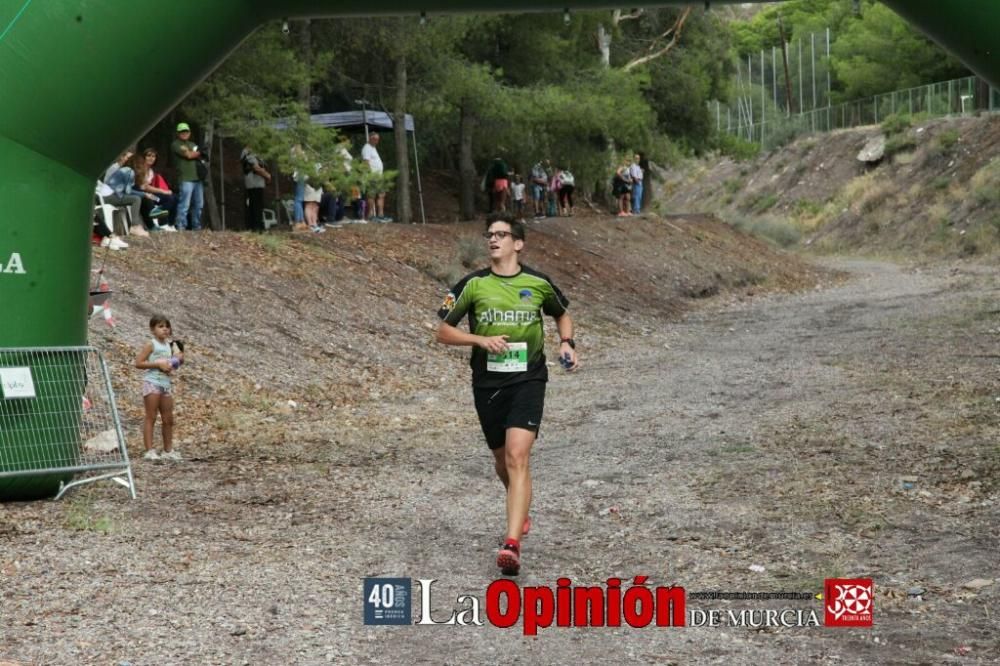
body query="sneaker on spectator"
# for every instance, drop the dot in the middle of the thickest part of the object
(158, 212)
(318, 229)
(169, 228)
(151, 454)
(138, 230)
(300, 226)
(113, 243)
(171, 455)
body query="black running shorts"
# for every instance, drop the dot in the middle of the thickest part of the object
(516, 406)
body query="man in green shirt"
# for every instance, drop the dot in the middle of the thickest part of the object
(504, 304)
(192, 196)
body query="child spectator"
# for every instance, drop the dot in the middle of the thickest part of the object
(156, 359)
(552, 198)
(621, 189)
(518, 192)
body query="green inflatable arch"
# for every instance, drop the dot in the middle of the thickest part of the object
(70, 103)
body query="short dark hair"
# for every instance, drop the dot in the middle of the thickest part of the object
(159, 319)
(517, 227)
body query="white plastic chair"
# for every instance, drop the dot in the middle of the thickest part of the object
(108, 213)
(289, 210)
(270, 218)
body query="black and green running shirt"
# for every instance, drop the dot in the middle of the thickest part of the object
(505, 305)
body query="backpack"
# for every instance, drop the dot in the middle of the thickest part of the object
(247, 167)
(567, 178)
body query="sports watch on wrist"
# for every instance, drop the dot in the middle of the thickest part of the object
(570, 341)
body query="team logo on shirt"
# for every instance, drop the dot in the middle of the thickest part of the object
(525, 295)
(449, 302)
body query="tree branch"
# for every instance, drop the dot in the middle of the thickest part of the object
(676, 30)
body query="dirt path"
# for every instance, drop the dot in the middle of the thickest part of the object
(771, 433)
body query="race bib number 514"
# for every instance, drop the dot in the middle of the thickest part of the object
(515, 359)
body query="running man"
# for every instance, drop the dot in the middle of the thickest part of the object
(505, 303)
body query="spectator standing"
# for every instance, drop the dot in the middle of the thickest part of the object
(620, 188)
(192, 192)
(498, 184)
(159, 362)
(637, 174)
(567, 184)
(376, 200)
(255, 179)
(313, 197)
(517, 190)
(552, 196)
(539, 184)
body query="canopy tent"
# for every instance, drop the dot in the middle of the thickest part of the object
(365, 119)
(362, 118)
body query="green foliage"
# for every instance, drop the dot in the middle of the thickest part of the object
(775, 230)
(807, 208)
(735, 147)
(896, 123)
(872, 52)
(879, 51)
(947, 139)
(899, 143)
(762, 201)
(986, 184)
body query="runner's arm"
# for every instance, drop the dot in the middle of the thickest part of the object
(565, 327)
(450, 335)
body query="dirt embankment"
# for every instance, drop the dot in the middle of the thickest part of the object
(935, 193)
(340, 319)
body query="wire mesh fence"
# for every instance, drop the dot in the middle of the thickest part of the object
(59, 420)
(770, 126)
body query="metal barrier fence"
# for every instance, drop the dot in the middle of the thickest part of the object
(947, 98)
(58, 420)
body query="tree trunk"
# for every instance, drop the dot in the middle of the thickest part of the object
(789, 102)
(304, 38)
(403, 208)
(466, 167)
(211, 206)
(604, 45)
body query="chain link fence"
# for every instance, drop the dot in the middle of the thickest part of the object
(948, 98)
(786, 92)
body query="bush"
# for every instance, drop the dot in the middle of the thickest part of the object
(773, 229)
(896, 124)
(762, 202)
(899, 143)
(737, 148)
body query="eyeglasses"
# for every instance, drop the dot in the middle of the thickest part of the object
(499, 234)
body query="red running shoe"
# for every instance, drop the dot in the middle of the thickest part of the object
(509, 559)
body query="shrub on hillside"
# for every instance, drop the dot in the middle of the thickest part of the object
(737, 148)
(896, 123)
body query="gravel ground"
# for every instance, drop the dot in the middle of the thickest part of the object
(848, 431)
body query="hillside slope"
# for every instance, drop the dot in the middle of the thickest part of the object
(936, 193)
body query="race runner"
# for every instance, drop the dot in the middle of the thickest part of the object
(504, 304)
